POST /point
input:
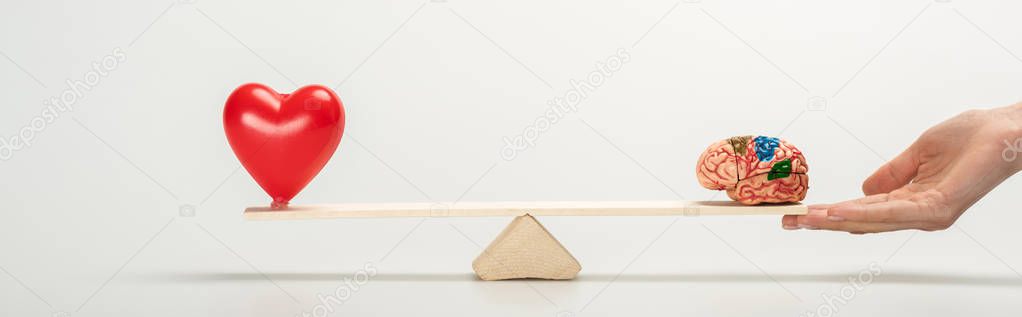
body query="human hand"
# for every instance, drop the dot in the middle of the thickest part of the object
(929, 185)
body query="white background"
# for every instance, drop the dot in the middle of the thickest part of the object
(96, 211)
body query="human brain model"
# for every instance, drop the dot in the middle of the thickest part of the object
(755, 170)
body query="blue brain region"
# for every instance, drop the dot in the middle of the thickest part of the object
(765, 147)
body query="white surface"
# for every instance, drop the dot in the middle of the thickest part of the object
(92, 223)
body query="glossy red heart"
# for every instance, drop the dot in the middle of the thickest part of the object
(283, 140)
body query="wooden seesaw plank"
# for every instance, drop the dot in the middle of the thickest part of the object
(535, 208)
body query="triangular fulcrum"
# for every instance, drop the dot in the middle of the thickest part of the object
(525, 249)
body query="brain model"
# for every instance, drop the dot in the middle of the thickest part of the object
(754, 170)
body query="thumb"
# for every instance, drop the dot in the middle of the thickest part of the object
(893, 175)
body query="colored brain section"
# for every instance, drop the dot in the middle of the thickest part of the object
(755, 170)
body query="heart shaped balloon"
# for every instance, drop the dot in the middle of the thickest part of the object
(283, 140)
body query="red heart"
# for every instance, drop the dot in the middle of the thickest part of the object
(283, 140)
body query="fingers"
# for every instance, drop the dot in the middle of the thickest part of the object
(789, 222)
(819, 219)
(863, 227)
(864, 200)
(892, 175)
(882, 211)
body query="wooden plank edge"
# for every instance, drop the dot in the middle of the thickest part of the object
(500, 209)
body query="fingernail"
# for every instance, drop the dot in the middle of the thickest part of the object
(790, 227)
(835, 218)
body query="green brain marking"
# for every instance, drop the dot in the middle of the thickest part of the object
(780, 169)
